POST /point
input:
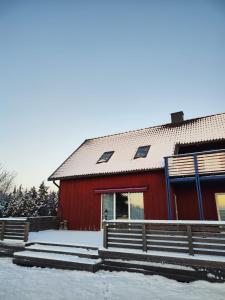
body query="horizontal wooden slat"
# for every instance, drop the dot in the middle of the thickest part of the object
(167, 249)
(14, 226)
(181, 167)
(208, 240)
(166, 243)
(207, 252)
(166, 238)
(124, 241)
(13, 233)
(209, 235)
(125, 246)
(209, 246)
(125, 236)
(125, 231)
(167, 230)
(14, 223)
(12, 237)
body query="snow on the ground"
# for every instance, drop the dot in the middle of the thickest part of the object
(23, 283)
(69, 237)
(13, 219)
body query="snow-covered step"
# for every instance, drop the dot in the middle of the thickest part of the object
(62, 244)
(62, 249)
(56, 260)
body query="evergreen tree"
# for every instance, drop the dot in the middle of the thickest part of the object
(42, 200)
(27, 203)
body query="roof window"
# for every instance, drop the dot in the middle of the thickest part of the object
(105, 157)
(142, 151)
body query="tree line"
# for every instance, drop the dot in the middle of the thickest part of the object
(20, 202)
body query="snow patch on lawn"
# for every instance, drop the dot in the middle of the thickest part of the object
(22, 283)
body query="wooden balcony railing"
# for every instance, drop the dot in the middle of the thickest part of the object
(203, 163)
(190, 237)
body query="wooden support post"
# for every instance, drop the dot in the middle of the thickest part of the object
(105, 235)
(144, 239)
(198, 187)
(168, 190)
(190, 243)
(26, 231)
(2, 231)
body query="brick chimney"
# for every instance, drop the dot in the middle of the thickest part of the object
(177, 117)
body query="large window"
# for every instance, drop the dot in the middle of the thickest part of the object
(123, 206)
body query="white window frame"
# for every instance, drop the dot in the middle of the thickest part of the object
(114, 206)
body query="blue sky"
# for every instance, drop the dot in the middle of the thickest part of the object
(71, 70)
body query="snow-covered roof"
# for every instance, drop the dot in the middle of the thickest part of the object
(162, 140)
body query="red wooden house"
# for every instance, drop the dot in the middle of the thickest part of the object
(173, 171)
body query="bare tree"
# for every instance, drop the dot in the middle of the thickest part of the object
(6, 180)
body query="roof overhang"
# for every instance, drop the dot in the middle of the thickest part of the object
(104, 174)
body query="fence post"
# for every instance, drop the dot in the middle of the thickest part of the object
(2, 231)
(144, 240)
(26, 231)
(105, 235)
(190, 243)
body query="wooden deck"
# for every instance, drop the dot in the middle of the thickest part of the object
(196, 245)
(184, 251)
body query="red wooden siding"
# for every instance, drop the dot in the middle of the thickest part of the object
(81, 205)
(187, 200)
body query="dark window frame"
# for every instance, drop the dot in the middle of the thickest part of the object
(104, 160)
(138, 152)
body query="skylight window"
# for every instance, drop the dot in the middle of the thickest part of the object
(105, 157)
(142, 151)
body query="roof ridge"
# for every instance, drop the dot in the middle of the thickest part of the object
(155, 126)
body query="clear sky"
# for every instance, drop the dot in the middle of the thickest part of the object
(71, 70)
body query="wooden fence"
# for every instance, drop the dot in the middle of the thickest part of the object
(171, 236)
(43, 223)
(14, 229)
(18, 228)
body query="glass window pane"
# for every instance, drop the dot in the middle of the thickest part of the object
(105, 157)
(136, 206)
(221, 206)
(107, 207)
(142, 151)
(121, 205)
